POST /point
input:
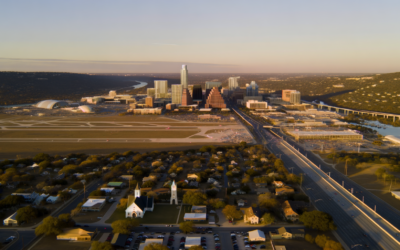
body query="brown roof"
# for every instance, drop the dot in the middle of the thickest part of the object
(287, 209)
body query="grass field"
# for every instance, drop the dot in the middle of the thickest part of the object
(91, 217)
(119, 214)
(96, 134)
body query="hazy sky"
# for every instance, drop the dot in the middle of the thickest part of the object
(210, 36)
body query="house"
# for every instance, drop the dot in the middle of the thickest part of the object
(149, 178)
(11, 220)
(284, 190)
(40, 198)
(262, 190)
(273, 174)
(94, 205)
(241, 202)
(75, 234)
(288, 212)
(28, 197)
(256, 235)
(34, 165)
(297, 233)
(116, 184)
(252, 215)
(237, 192)
(109, 190)
(278, 183)
(79, 175)
(233, 163)
(53, 199)
(193, 177)
(126, 177)
(264, 160)
(138, 204)
(280, 234)
(118, 240)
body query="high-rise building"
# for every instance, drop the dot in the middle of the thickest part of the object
(151, 92)
(176, 93)
(184, 77)
(197, 93)
(186, 98)
(233, 83)
(252, 89)
(190, 88)
(215, 100)
(295, 97)
(286, 94)
(149, 101)
(161, 88)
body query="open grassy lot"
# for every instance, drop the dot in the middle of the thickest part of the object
(185, 209)
(96, 134)
(51, 243)
(11, 150)
(119, 214)
(91, 217)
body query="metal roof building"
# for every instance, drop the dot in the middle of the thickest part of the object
(51, 104)
(325, 135)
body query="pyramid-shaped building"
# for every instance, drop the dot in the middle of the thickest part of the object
(215, 100)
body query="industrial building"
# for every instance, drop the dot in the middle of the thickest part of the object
(325, 135)
(51, 104)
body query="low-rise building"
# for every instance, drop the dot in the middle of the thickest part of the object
(256, 235)
(109, 190)
(252, 215)
(278, 183)
(195, 217)
(75, 234)
(284, 190)
(116, 184)
(281, 233)
(28, 197)
(94, 205)
(11, 220)
(53, 199)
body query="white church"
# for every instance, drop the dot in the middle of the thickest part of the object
(138, 205)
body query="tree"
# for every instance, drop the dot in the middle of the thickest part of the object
(216, 203)
(309, 238)
(26, 214)
(101, 245)
(194, 198)
(97, 193)
(318, 220)
(155, 246)
(332, 245)
(321, 240)
(229, 174)
(66, 220)
(196, 248)
(379, 172)
(186, 226)
(49, 226)
(267, 201)
(268, 219)
(231, 212)
(124, 226)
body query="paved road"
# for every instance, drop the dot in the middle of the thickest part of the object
(351, 221)
(384, 209)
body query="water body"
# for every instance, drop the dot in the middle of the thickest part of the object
(141, 84)
(384, 129)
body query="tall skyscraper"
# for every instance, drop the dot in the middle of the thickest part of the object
(176, 93)
(197, 93)
(295, 97)
(252, 89)
(151, 92)
(186, 98)
(233, 83)
(286, 94)
(184, 77)
(161, 88)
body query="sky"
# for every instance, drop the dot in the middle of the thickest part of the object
(216, 36)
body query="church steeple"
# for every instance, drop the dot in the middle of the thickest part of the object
(174, 195)
(137, 191)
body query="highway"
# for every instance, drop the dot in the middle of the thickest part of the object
(352, 218)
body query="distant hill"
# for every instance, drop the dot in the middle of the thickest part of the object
(381, 93)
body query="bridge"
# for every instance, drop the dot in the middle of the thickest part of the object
(347, 111)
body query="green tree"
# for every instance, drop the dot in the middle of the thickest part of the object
(194, 198)
(229, 174)
(49, 226)
(124, 226)
(268, 218)
(156, 246)
(101, 245)
(186, 226)
(267, 201)
(318, 220)
(309, 238)
(216, 203)
(321, 240)
(26, 214)
(231, 212)
(332, 245)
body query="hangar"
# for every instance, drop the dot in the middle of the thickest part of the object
(86, 109)
(51, 104)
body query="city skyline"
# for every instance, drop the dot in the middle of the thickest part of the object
(267, 37)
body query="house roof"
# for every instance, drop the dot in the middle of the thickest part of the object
(285, 189)
(75, 232)
(194, 216)
(193, 241)
(93, 203)
(252, 211)
(12, 217)
(115, 184)
(282, 230)
(256, 234)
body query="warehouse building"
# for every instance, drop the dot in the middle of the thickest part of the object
(51, 104)
(325, 135)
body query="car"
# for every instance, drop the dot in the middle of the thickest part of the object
(247, 246)
(178, 232)
(263, 247)
(210, 232)
(204, 247)
(216, 235)
(216, 238)
(130, 239)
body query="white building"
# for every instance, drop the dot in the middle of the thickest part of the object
(138, 204)
(256, 235)
(11, 221)
(254, 104)
(233, 83)
(295, 97)
(176, 93)
(184, 77)
(161, 88)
